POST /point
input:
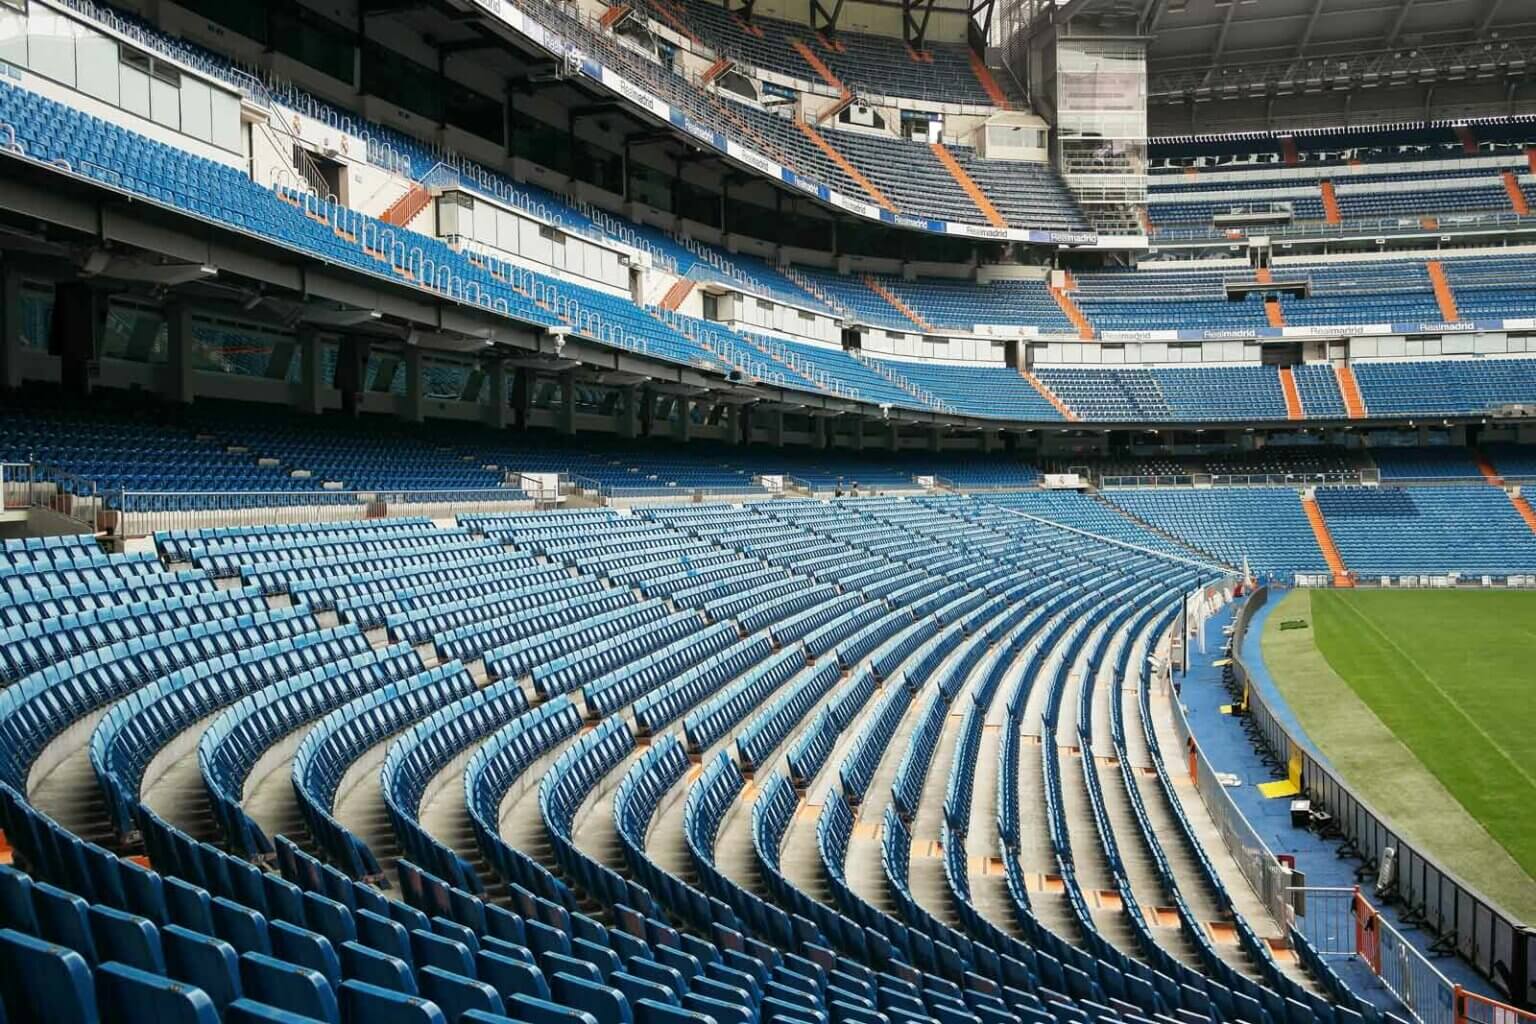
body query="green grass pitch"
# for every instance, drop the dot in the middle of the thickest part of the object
(1425, 700)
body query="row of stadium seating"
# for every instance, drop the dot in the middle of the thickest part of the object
(508, 930)
(1337, 146)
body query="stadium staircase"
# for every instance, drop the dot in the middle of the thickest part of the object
(1330, 202)
(1523, 506)
(1050, 396)
(404, 210)
(677, 294)
(1349, 389)
(1492, 475)
(988, 83)
(894, 301)
(810, 132)
(967, 184)
(1293, 407)
(1517, 200)
(1443, 294)
(1325, 543)
(1070, 309)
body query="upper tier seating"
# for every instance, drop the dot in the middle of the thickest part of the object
(1265, 527)
(1447, 387)
(868, 64)
(1168, 393)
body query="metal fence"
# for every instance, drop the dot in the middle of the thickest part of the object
(1269, 879)
(139, 513)
(1464, 922)
(17, 483)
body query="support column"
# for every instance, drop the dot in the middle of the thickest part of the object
(776, 427)
(351, 372)
(893, 436)
(989, 441)
(497, 412)
(415, 386)
(935, 438)
(10, 331)
(522, 388)
(312, 370)
(567, 416)
(79, 313)
(178, 356)
(823, 432)
(733, 424)
(857, 423)
(629, 412)
(683, 428)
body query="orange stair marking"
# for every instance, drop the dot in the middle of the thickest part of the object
(970, 187)
(895, 302)
(1330, 202)
(1325, 543)
(1349, 390)
(613, 15)
(403, 210)
(1272, 312)
(817, 65)
(674, 17)
(848, 168)
(717, 69)
(1486, 468)
(1050, 396)
(1443, 294)
(1530, 159)
(1468, 140)
(988, 83)
(677, 294)
(1263, 276)
(1293, 409)
(1073, 312)
(1517, 200)
(1524, 508)
(1288, 149)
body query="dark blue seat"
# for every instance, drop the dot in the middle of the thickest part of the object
(456, 994)
(362, 1003)
(249, 1011)
(636, 988)
(16, 911)
(553, 963)
(210, 964)
(44, 981)
(240, 926)
(650, 970)
(329, 918)
(288, 987)
(305, 948)
(459, 933)
(188, 906)
(607, 1005)
(64, 918)
(648, 1012)
(435, 951)
(127, 939)
(720, 1011)
(368, 965)
(381, 933)
(127, 995)
(541, 1011)
(510, 977)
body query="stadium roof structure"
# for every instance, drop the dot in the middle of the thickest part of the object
(1211, 50)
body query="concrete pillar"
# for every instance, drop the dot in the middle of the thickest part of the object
(629, 413)
(682, 428)
(522, 392)
(823, 432)
(856, 423)
(989, 441)
(10, 331)
(744, 416)
(178, 356)
(415, 386)
(935, 438)
(892, 436)
(312, 369)
(568, 402)
(498, 411)
(776, 427)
